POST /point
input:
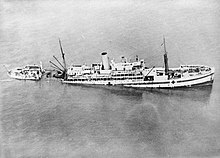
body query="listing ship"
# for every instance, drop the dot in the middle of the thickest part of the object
(28, 72)
(136, 74)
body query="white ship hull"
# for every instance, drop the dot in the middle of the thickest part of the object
(189, 81)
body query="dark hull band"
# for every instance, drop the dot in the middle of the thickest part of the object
(195, 78)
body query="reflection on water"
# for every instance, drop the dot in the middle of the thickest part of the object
(49, 118)
(201, 94)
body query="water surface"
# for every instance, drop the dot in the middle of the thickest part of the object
(50, 119)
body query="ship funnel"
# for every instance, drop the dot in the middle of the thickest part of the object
(105, 60)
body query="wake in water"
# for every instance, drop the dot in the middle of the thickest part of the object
(7, 80)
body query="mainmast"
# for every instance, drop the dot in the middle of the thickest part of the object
(165, 57)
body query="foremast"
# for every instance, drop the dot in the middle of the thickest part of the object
(64, 61)
(63, 68)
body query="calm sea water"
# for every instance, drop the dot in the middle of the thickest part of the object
(50, 119)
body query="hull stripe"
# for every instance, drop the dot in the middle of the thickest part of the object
(195, 78)
(150, 83)
(169, 82)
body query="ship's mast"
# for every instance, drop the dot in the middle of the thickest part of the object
(63, 55)
(64, 61)
(165, 57)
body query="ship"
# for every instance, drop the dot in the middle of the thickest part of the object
(29, 72)
(134, 73)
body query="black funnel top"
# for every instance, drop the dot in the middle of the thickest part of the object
(103, 53)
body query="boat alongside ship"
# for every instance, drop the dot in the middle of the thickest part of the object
(136, 74)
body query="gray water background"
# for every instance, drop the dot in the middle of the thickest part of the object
(50, 119)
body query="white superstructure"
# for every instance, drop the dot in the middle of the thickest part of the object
(135, 74)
